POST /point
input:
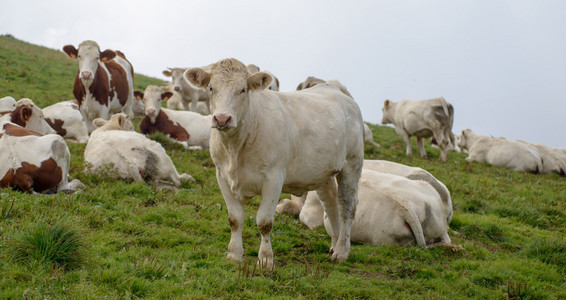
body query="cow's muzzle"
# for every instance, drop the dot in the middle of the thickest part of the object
(222, 121)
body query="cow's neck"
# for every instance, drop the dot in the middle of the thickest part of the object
(472, 139)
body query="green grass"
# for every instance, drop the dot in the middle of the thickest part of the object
(142, 242)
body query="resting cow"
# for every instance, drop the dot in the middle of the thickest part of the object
(7, 105)
(104, 83)
(501, 152)
(553, 160)
(26, 114)
(32, 162)
(190, 129)
(67, 120)
(311, 213)
(258, 146)
(422, 119)
(131, 155)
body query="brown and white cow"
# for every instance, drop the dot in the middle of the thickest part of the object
(104, 83)
(67, 120)
(7, 104)
(258, 146)
(32, 162)
(131, 155)
(190, 129)
(422, 119)
(500, 152)
(26, 114)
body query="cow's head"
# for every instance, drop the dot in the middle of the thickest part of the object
(229, 84)
(88, 56)
(28, 115)
(387, 112)
(177, 80)
(152, 97)
(119, 121)
(461, 139)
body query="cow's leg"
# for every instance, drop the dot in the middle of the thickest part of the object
(194, 102)
(347, 181)
(235, 218)
(420, 144)
(270, 192)
(407, 139)
(329, 200)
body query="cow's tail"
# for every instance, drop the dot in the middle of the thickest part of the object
(438, 186)
(413, 220)
(445, 107)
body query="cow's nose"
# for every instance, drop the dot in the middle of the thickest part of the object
(150, 111)
(222, 121)
(177, 88)
(86, 75)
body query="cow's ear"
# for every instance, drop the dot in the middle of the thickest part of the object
(197, 77)
(138, 95)
(167, 73)
(259, 81)
(165, 96)
(107, 55)
(25, 113)
(99, 122)
(71, 51)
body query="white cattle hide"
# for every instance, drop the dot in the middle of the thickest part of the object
(67, 120)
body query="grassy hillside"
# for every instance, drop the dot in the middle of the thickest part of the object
(131, 240)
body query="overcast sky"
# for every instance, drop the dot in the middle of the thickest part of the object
(502, 64)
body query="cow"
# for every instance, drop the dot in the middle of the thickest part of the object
(422, 119)
(176, 101)
(553, 160)
(34, 163)
(104, 83)
(26, 114)
(309, 82)
(258, 147)
(500, 152)
(131, 155)
(66, 119)
(190, 129)
(190, 95)
(7, 105)
(309, 208)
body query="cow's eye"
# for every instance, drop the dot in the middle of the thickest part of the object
(242, 91)
(210, 89)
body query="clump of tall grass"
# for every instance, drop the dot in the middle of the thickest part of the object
(550, 251)
(56, 245)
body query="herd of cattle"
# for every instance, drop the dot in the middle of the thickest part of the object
(307, 143)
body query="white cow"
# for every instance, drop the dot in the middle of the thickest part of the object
(104, 83)
(422, 119)
(131, 155)
(26, 114)
(190, 129)
(33, 162)
(176, 101)
(66, 119)
(309, 208)
(259, 148)
(500, 152)
(190, 95)
(553, 160)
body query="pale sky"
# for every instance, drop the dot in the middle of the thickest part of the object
(502, 64)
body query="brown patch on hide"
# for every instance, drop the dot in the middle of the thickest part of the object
(165, 125)
(233, 224)
(119, 83)
(15, 130)
(21, 115)
(265, 228)
(29, 177)
(57, 125)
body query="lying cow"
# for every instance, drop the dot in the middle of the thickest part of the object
(188, 128)
(131, 155)
(26, 114)
(500, 152)
(7, 105)
(553, 160)
(66, 119)
(310, 212)
(422, 119)
(32, 162)
(258, 147)
(104, 83)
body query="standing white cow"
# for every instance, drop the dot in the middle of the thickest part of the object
(259, 148)
(422, 119)
(190, 95)
(500, 152)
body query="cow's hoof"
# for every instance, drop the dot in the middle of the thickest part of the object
(265, 264)
(338, 257)
(234, 258)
